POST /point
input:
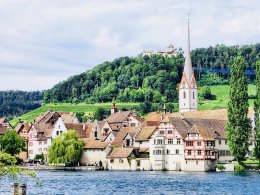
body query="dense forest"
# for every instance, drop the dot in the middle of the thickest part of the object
(153, 79)
(13, 103)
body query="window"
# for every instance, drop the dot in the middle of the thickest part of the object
(30, 144)
(193, 94)
(138, 163)
(45, 149)
(189, 152)
(106, 130)
(40, 143)
(199, 152)
(178, 141)
(45, 142)
(133, 125)
(170, 132)
(60, 132)
(141, 142)
(193, 134)
(159, 141)
(198, 143)
(189, 143)
(161, 132)
(57, 132)
(197, 162)
(154, 141)
(228, 153)
(177, 151)
(40, 150)
(59, 126)
(111, 160)
(167, 151)
(121, 161)
(219, 141)
(184, 95)
(95, 134)
(170, 141)
(128, 142)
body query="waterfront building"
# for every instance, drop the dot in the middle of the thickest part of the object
(95, 151)
(22, 130)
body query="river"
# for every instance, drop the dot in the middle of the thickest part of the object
(119, 182)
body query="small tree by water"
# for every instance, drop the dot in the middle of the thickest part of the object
(66, 149)
(239, 126)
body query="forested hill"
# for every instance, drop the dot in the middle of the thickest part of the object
(14, 103)
(136, 79)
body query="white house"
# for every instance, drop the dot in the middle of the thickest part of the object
(95, 151)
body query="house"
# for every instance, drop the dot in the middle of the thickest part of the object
(50, 117)
(95, 151)
(39, 140)
(96, 129)
(4, 126)
(120, 158)
(125, 137)
(111, 137)
(22, 130)
(143, 137)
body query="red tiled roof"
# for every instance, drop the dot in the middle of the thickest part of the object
(118, 117)
(122, 134)
(95, 144)
(120, 153)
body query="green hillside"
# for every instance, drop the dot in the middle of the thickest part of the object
(152, 79)
(221, 92)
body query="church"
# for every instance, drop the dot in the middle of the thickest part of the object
(190, 140)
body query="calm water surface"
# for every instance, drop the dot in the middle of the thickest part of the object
(116, 182)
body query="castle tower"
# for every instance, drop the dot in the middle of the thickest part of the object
(188, 91)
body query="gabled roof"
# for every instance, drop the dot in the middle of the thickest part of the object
(145, 133)
(2, 120)
(95, 144)
(69, 118)
(150, 123)
(213, 125)
(120, 153)
(80, 128)
(118, 117)
(204, 131)
(23, 126)
(114, 133)
(42, 127)
(46, 117)
(122, 134)
(100, 124)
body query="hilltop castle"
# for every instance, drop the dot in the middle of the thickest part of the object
(170, 51)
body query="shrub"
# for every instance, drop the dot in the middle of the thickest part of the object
(221, 167)
(239, 167)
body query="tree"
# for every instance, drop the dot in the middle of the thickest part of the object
(238, 126)
(66, 149)
(257, 113)
(145, 107)
(100, 113)
(12, 143)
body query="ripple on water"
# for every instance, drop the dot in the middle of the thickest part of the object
(118, 182)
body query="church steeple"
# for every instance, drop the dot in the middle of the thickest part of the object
(187, 66)
(188, 93)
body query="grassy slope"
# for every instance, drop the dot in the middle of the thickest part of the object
(221, 92)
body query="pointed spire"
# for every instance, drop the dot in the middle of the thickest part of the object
(188, 66)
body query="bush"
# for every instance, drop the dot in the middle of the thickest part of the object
(239, 167)
(221, 167)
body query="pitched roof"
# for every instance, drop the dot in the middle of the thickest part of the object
(145, 133)
(95, 144)
(100, 124)
(118, 117)
(3, 129)
(23, 126)
(120, 153)
(2, 120)
(150, 123)
(45, 117)
(204, 131)
(40, 127)
(80, 128)
(143, 149)
(69, 118)
(122, 134)
(217, 127)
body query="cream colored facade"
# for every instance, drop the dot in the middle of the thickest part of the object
(118, 164)
(93, 156)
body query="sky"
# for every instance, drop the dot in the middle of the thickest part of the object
(43, 42)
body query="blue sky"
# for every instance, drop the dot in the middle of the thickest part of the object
(43, 42)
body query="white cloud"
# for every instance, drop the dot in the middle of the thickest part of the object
(48, 40)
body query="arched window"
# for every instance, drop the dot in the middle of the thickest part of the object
(184, 95)
(193, 94)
